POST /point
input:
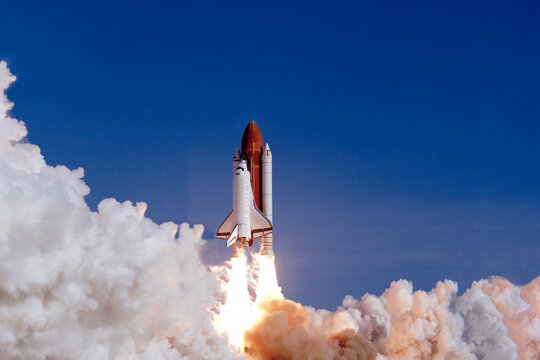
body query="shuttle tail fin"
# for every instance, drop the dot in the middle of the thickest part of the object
(226, 227)
(233, 237)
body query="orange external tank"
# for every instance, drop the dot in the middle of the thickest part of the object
(252, 147)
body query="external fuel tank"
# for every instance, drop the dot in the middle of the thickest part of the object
(252, 147)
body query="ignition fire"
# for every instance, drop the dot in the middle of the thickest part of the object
(235, 314)
(238, 314)
(267, 284)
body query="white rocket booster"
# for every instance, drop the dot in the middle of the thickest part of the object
(266, 159)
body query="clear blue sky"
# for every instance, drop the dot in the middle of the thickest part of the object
(405, 136)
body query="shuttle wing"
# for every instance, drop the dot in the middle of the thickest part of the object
(260, 225)
(226, 227)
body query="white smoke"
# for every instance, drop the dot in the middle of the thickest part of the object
(75, 284)
(493, 320)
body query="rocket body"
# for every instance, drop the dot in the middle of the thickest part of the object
(251, 216)
(266, 159)
(252, 146)
(241, 199)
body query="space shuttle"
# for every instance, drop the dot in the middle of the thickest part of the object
(251, 216)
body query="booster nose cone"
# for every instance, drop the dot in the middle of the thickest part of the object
(266, 154)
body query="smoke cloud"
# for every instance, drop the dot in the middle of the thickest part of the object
(493, 320)
(75, 284)
(289, 331)
(112, 284)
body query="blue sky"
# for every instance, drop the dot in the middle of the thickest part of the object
(405, 136)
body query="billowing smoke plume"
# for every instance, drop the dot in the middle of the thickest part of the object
(492, 320)
(76, 284)
(289, 331)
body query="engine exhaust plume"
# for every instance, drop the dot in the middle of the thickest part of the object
(235, 315)
(267, 284)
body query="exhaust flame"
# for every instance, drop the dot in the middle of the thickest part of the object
(235, 315)
(239, 313)
(267, 285)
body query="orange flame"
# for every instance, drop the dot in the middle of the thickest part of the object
(238, 314)
(235, 314)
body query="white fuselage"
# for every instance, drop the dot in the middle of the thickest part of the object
(246, 221)
(242, 198)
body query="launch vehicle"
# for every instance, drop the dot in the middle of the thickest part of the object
(251, 216)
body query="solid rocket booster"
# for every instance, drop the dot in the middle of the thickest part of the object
(266, 159)
(251, 216)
